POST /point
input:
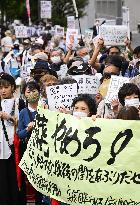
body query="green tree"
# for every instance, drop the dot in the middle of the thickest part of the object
(63, 8)
(16, 9)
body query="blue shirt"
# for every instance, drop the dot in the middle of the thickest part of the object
(24, 120)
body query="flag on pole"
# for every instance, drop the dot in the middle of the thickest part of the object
(28, 11)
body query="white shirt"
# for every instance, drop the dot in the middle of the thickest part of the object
(6, 43)
(5, 152)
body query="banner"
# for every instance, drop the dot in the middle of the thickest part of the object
(45, 9)
(79, 161)
(115, 84)
(87, 84)
(113, 35)
(61, 96)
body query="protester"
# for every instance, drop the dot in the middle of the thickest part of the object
(129, 113)
(9, 112)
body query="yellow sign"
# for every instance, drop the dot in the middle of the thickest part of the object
(79, 161)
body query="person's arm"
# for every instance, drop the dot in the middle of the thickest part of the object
(128, 45)
(68, 55)
(22, 131)
(96, 52)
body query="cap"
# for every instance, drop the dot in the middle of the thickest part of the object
(84, 68)
(39, 41)
(41, 56)
(26, 41)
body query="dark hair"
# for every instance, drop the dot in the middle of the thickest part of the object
(108, 50)
(5, 77)
(67, 80)
(115, 60)
(136, 50)
(128, 113)
(88, 100)
(32, 85)
(126, 90)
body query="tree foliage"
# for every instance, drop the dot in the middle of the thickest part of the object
(16, 9)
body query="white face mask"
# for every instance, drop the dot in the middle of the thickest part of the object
(135, 60)
(80, 114)
(132, 102)
(86, 58)
(56, 59)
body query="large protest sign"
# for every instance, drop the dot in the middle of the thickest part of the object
(72, 38)
(79, 161)
(21, 31)
(113, 34)
(61, 96)
(45, 9)
(87, 84)
(115, 84)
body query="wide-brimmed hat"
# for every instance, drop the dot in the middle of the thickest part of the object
(8, 33)
(41, 56)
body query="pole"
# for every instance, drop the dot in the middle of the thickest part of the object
(119, 12)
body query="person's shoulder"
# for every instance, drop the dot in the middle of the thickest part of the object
(23, 111)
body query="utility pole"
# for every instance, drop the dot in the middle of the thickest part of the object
(119, 12)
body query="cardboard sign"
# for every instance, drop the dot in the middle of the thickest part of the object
(21, 32)
(113, 35)
(115, 84)
(61, 96)
(87, 84)
(45, 9)
(81, 162)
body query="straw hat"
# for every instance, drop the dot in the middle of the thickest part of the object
(8, 33)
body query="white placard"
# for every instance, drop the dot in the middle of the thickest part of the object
(71, 22)
(59, 31)
(21, 31)
(88, 35)
(113, 35)
(45, 9)
(61, 96)
(115, 84)
(72, 38)
(87, 84)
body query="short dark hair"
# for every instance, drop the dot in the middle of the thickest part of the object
(115, 60)
(126, 90)
(108, 50)
(6, 78)
(136, 50)
(32, 85)
(128, 113)
(67, 80)
(88, 100)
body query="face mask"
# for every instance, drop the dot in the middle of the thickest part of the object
(56, 59)
(135, 60)
(33, 97)
(132, 102)
(86, 58)
(80, 114)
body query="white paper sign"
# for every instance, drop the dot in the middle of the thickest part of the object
(88, 35)
(87, 84)
(45, 9)
(113, 35)
(115, 84)
(71, 22)
(59, 31)
(61, 96)
(21, 31)
(72, 38)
